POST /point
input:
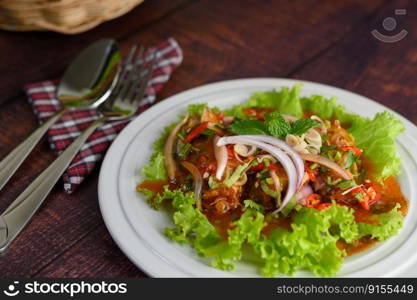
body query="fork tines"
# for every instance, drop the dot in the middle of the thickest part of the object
(135, 75)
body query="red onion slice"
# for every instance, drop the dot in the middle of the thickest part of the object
(169, 159)
(277, 153)
(303, 193)
(296, 158)
(220, 153)
(324, 161)
(198, 181)
(289, 118)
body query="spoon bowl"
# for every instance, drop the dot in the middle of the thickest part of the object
(92, 75)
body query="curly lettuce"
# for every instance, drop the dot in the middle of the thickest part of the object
(155, 168)
(311, 244)
(388, 225)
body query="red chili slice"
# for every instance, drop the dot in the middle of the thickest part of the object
(370, 198)
(261, 166)
(357, 151)
(313, 200)
(323, 206)
(311, 174)
(195, 132)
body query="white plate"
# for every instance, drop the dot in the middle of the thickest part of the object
(138, 229)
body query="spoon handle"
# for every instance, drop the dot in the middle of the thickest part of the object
(14, 159)
(19, 213)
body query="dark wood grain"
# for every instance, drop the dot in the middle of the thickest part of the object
(385, 72)
(325, 41)
(97, 251)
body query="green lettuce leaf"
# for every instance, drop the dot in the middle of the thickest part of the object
(377, 138)
(155, 169)
(245, 230)
(388, 225)
(311, 245)
(286, 101)
(196, 109)
(191, 226)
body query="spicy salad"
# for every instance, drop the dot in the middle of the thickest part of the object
(297, 182)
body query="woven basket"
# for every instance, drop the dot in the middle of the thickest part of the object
(65, 16)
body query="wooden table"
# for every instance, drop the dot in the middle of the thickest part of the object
(324, 41)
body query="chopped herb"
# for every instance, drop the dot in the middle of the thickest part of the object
(338, 155)
(208, 132)
(314, 166)
(290, 206)
(188, 186)
(326, 148)
(337, 181)
(185, 149)
(212, 183)
(323, 169)
(359, 197)
(238, 172)
(350, 159)
(253, 204)
(264, 171)
(263, 175)
(346, 184)
(267, 190)
(330, 181)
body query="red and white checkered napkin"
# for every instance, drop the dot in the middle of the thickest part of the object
(42, 97)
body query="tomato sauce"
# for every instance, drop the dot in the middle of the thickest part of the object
(155, 186)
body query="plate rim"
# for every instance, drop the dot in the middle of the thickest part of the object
(170, 102)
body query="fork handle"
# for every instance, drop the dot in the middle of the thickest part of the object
(14, 159)
(19, 213)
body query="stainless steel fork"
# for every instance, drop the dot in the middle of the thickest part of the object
(122, 104)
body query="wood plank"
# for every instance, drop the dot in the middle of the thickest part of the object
(32, 56)
(238, 39)
(94, 256)
(223, 42)
(381, 71)
(59, 224)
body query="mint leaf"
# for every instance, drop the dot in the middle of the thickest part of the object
(242, 127)
(276, 124)
(301, 126)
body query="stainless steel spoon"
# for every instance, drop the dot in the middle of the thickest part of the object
(87, 82)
